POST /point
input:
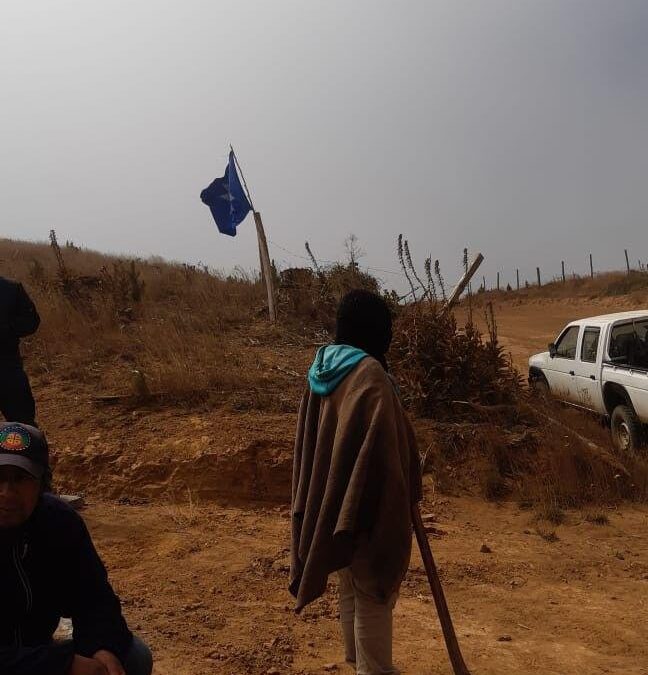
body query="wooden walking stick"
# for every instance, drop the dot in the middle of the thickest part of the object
(458, 665)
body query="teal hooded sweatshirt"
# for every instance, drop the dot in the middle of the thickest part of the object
(332, 364)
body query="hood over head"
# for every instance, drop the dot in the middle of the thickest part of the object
(332, 364)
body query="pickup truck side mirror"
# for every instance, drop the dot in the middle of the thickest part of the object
(552, 350)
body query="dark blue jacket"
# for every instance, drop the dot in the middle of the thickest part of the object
(49, 569)
(18, 318)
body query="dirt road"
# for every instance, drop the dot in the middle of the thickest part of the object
(526, 328)
(206, 587)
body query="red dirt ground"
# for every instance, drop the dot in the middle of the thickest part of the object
(201, 564)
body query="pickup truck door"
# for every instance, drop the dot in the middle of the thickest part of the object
(560, 370)
(588, 369)
(626, 362)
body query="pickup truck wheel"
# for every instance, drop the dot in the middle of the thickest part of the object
(540, 387)
(626, 429)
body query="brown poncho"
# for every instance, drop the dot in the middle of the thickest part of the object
(356, 473)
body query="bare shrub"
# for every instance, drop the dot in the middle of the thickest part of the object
(437, 364)
(597, 518)
(552, 513)
(495, 486)
(547, 534)
(304, 293)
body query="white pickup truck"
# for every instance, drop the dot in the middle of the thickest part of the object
(601, 364)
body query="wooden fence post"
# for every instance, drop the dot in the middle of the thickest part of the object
(591, 267)
(463, 282)
(498, 285)
(266, 265)
(517, 276)
(539, 281)
(563, 271)
(627, 260)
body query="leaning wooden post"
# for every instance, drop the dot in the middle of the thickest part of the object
(627, 260)
(264, 256)
(463, 282)
(563, 271)
(591, 267)
(538, 272)
(266, 266)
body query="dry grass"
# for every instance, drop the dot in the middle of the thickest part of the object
(606, 284)
(552, 513)
(195, 337)
(182, 333)
(173, 323)
(547, 534)
(597, 518)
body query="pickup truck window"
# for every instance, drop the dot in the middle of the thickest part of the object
(629, 344)
(566, 345)
(589, 350)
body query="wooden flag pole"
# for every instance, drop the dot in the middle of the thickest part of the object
(266, 265)
(264, 255)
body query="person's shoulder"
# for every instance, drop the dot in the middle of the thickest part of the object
(8, 284)
(369, 374)
(55, 513)
(372, 367)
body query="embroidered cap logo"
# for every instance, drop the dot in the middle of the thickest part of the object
(14, 439)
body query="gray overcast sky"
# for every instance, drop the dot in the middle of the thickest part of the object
(515, 127)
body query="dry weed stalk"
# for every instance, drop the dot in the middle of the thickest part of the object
(432, 293)
(62, 272)
(401, 260)
(410, 264)
(437, 271)
(313, 260)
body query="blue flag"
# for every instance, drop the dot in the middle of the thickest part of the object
(226, 200)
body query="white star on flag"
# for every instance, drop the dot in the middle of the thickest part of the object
(227, 195)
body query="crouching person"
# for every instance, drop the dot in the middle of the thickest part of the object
(49, 569)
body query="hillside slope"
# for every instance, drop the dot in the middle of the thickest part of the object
(156, 380)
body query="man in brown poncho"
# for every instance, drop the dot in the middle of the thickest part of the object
(356, 475)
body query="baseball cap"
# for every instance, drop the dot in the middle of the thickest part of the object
(24, 446)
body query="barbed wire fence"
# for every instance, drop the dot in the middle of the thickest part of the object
(435, 289)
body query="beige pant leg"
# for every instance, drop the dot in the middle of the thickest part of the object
(374, 635)
(367, 628)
